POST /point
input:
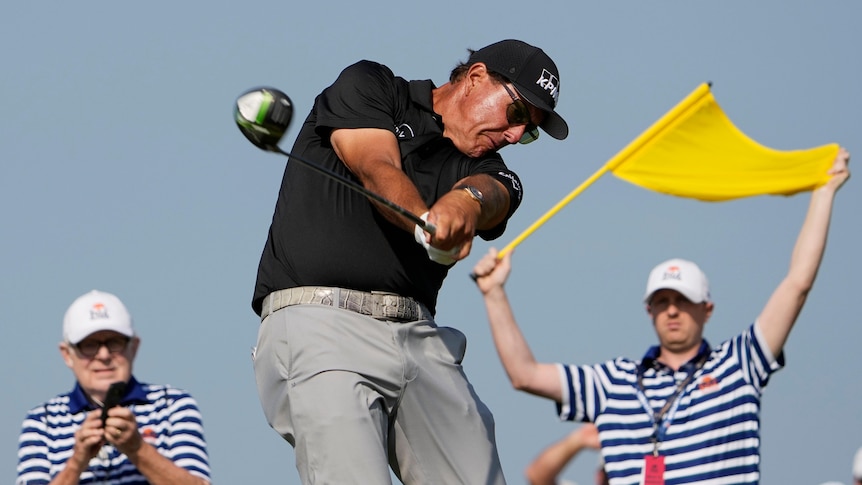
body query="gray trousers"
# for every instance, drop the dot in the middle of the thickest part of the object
(354, 396)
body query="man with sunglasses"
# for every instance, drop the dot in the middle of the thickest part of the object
(352, 369)
(152, 434)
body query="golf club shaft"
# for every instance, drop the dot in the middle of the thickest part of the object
(428, 227)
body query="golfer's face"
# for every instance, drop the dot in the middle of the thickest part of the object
(677, 320)
(486, 120)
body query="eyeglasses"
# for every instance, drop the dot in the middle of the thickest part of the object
(518, 113)
(89, 348)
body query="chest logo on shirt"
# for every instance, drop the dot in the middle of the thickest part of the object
(707, 384)
(404, 132)
(149, 435)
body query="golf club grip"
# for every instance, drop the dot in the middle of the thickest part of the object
(362, 190)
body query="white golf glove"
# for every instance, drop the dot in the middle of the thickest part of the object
(437, 255)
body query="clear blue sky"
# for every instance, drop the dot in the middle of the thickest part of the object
(122, 170)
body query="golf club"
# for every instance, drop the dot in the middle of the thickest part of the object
(263, 115)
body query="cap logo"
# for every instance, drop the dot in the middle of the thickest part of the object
(550, 83)
(99, 310)
(672, 273)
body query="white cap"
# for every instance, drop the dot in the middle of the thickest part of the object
(680, 275)
(857, 465)
(93, 312)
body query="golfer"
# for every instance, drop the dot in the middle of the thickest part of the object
(351, 367)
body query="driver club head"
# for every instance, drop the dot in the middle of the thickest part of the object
(263, 115)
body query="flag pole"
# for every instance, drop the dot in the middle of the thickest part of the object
(676, 113)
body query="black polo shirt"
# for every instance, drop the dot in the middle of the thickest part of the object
(324, 234)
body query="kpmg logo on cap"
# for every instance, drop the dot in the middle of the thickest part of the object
(99, 310)
(550, 83)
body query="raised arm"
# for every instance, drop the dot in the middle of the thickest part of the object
(545, 468)
(524, 372)
(780, 313)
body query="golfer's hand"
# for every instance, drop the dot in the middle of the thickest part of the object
(121, 430)
(491, 273)
(434, 254)
(456, 219)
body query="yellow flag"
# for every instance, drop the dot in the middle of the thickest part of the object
(700, 154)
(695, 151)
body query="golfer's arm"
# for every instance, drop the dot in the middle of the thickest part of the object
(780, 313)
(524, 372)
(373, 156)
(496, 199)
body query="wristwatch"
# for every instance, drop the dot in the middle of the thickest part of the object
(475, 193)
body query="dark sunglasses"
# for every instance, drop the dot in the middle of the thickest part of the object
(517, 113)
(89, 348)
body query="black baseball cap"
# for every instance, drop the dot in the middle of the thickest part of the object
(534, 75)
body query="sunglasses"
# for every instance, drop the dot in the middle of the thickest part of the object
(89, 348)
(518, 113)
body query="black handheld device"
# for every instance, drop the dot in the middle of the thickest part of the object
(115, 393)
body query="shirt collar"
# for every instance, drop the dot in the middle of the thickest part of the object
(420, 93)
(650, 359)
(78, 401)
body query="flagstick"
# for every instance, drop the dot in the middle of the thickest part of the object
(676, 113)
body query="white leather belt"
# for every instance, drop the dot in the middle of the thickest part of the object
(379, 305)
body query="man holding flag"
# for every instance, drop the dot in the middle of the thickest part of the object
(686, 412)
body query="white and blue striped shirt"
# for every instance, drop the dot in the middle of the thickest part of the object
(168, 419)
(712, 433)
